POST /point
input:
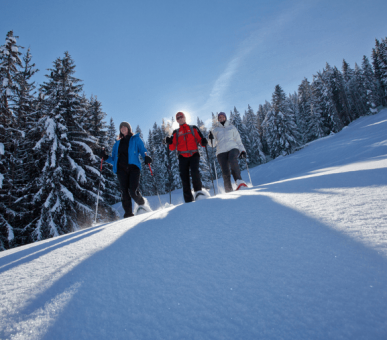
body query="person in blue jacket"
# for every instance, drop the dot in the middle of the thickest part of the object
(126, 165)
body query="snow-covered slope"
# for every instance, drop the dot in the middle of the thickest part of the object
(301, 255)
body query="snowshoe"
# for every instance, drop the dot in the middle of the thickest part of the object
(142, 209)
(240, 184)
(201, 194)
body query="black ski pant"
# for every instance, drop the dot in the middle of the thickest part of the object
(185, 165)
(129, 178)
(229, 160)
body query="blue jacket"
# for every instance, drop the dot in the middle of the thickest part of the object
(136, 147)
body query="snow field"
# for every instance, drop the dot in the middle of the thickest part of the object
(301, 255)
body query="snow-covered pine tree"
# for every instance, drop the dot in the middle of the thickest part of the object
(370, 86)
(253, 144)
(68, 184)
(382, 61)
(280, 126)
(351, 90)
(304, 102)
(316, 126)
(112, 136)
(376, 63)
(323, 92)
(205, 168)
(94, 123)
(10, 135)
(26, 118)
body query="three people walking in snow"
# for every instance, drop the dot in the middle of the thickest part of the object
(186, 140)
(225, 137)
(126, 165)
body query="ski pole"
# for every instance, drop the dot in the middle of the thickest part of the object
(212, 180)
(170, 174)
(248, 172)
(216, 175)
(154, 181)
(99, 186)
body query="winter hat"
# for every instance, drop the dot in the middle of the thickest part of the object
(127, 125)
(222, 114)
(180, 114)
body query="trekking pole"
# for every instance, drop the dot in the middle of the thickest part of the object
(212, 180)
(248, 171)
(154, 181)
(169, 172)
(99, 186)
(216, 174)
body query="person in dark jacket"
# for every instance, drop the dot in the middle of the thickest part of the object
(186, 140)
(126, 165)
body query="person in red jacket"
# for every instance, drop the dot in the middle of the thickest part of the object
(186, 141)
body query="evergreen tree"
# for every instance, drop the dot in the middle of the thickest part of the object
(370, 86)
(253, 144)
(10, 135)
(304, 103)
(111, 136)
(69, 176)
(376, 63)
(281, 130)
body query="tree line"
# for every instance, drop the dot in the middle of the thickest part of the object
(52, 135)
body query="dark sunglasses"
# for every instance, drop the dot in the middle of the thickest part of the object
(179, 117)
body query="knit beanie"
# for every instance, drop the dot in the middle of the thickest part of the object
(222, 114)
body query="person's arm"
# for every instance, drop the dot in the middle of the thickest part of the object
(238, 140)
(174, 136)
(199, 136)
(141, 148)
(111, 158)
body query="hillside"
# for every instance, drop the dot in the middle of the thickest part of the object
(300, 255)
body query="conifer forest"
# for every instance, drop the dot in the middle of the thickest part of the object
(52, 136)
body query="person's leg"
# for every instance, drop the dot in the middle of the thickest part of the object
(134, 180)
(123, 179)
(234, 165)
(184, 175)
(195, 173)
(225, 166)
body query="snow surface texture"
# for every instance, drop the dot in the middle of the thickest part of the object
(301, 255)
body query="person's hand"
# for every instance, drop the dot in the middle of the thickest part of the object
(211, 136)
(204, 142)
(242, 154)
(147, 160)
(105, 156)
(169, 140)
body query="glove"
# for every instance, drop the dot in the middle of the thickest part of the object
(204, 142)
(211, 136)
(169, 140)
(147, 160)
(105, 156)
(242, 154)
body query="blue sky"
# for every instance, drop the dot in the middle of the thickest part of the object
(146, 60)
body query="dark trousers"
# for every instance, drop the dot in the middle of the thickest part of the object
(229, 160)
(185, 164)
(129, 178)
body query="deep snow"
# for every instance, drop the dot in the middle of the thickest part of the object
(301, 255)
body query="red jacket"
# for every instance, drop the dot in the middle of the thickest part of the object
(186, 146)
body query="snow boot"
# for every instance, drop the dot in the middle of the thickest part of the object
(201, 194)
(142, 209)
(240, 184)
